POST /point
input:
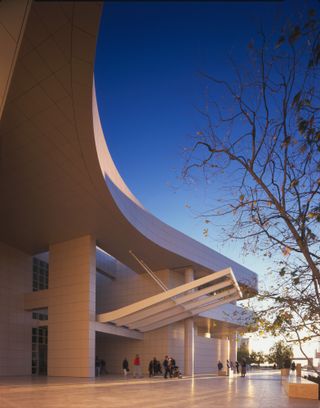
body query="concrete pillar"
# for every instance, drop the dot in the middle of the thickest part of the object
(233, 347)
(224, 351)
(15, 322)
(14, 15)
(189, 334)
(71, 311)
(298, 370)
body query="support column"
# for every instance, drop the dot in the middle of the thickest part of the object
(189, 334)
(15, 322)
(233, 347)
(224, 351)
(71, 311)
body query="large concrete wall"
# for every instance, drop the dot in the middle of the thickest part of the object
(208, 351)
(13, 16)
(176, 343)
(71, 313)
(113, 349)
(126, 288)
(15, 323)
(129, 287)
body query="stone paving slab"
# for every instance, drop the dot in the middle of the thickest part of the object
(256, 390)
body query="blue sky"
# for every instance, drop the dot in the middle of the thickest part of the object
(149, 57)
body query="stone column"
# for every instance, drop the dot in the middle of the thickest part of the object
(189, 334)
(298, 370)
(71, 311)
(224, 352)
(233, 347)
(15, 322)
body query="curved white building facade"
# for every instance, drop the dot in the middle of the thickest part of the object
(149, 289)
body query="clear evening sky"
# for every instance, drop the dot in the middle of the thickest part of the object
(149, 57)
(148, 61)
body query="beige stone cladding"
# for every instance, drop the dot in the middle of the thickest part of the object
(208, 351)
(126, 288)
(176, 343)
(113, 349)
(13, 16)
(71, 311)
(15, 323)
(120, 286)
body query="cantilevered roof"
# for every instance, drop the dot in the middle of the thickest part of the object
(57, 178)
(176, 304)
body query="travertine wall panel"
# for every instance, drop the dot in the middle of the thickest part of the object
(206, 354)
(71, 312)
(113, 349)
(176, 343)
(224, 350)
(15, 323)
(129, 287)
(13, 15)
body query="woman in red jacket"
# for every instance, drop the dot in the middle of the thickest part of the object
(137, 367)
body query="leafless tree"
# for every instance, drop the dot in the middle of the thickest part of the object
(261, 137)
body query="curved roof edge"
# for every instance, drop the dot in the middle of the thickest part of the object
(57, 177)
(149, 225)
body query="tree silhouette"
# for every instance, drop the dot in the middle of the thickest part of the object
(262, 139)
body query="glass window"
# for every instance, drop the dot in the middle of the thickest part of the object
(40, 275)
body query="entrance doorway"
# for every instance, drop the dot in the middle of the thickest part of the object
(39, 350)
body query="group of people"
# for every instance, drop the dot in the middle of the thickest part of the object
(170, 369)
(154, 367)
(136, 371)
(100, 367)
(235, 367)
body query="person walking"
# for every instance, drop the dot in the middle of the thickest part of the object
(220, 366)
(243, 367)
(137, 367)
(155, 366)
(172, 366)
(103, 369)
(166, 367)
(228, 367)
(98, 366)
(151, 369)
(125, 367)
(237, 367)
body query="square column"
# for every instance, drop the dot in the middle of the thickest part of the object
(233, 347)
(71, 311)
(189, 333)
(15, 322)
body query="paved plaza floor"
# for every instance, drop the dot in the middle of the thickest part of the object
(257, 390)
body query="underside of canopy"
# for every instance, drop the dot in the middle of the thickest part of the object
(177, 304)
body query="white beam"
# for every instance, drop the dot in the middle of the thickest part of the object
(187, 314)
(125, 321)
(180, 309)
(157, 317)
(118, 331)
(165, 322)
(210, 299)
(143, 304)
(210, 306)
(202, 292)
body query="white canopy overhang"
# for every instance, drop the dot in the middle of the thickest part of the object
(177, 304)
